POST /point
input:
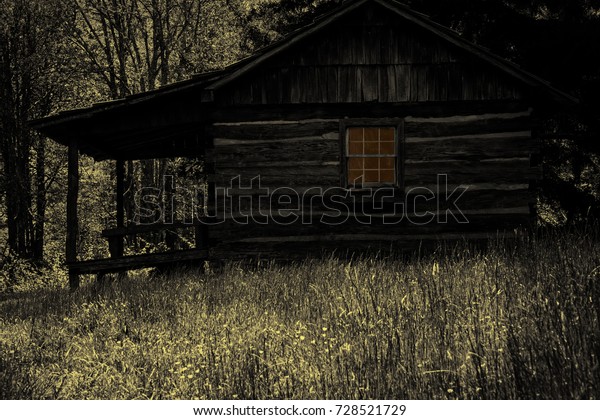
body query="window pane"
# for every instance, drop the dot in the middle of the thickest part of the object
(355, 163)
(386, 134)
(371, 176)
(371, 155)
(355, 134)
(386, 176)
(354, 176)
(355, 149)
(387, 163)
(372, 148)
(371, 134)
(387, 148)
(372, 163)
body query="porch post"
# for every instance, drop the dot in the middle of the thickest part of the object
(72, 220)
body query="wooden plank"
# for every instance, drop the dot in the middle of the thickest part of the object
(472, 148)
(403, 75)
(467, 126)
(289, 251)
(137, 261)
(372, 38)
(455, 81)
(417, 176)
(369, 83)
(400, 109)
(417, 199)
(272, 84)
(285, 77)
(147, 228)
(414, 83)
(469, 118)
(332, 85)
(327, 177)
(307, 149)
(275, 130)
(524, 135)
(280, 142)
(386, 84)
(283, 173)
(456, 166)
(72, 217)
(355, 84)
(232, 231)
(273, 165)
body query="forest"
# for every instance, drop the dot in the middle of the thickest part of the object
(65, 54)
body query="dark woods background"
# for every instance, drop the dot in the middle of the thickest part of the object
(60, 54)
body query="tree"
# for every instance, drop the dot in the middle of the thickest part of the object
(131, 46)
(32, 71)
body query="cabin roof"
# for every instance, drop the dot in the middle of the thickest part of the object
(67, 124)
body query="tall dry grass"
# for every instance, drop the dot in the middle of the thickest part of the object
(517, 320)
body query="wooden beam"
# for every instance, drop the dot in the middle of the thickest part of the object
(72, 220)
(132, 262)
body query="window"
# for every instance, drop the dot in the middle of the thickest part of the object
(371, 155)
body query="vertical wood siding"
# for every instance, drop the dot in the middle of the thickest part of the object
(369, 57)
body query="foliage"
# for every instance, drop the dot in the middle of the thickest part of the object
(518, 320)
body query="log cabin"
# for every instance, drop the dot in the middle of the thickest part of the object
(371, 127)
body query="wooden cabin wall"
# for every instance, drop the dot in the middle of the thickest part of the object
(461, 117)
(370, 56)
(486, 147)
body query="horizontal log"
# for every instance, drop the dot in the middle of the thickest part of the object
(454, 167)
(313, 149)
(348, 246)
(219, 142)
(274, 122)
(137, 261)
(282, 170)
(481, 136)
(296, 112)
(465, 119)
(290, 176)
(369, 237)
(483, 126)
(147, 228)
(460, 172)
(415, 200)
(272, 166)
(269, 130)
(470, 148)
(232, 230)
(317, 190)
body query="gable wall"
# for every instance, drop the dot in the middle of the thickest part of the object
(370, 56)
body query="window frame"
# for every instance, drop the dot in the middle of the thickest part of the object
(398, 124)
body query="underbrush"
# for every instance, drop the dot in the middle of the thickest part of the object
(516, 320)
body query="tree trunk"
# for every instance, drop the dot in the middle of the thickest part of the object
(40, 201)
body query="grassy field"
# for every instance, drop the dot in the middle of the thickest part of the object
(517, 320)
